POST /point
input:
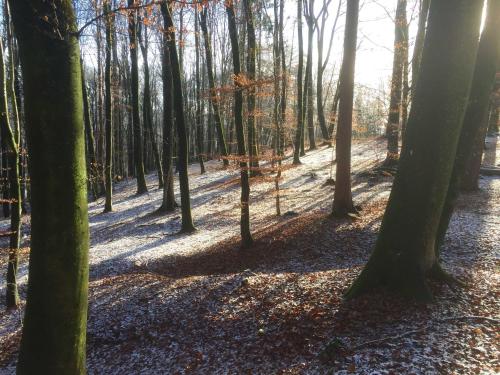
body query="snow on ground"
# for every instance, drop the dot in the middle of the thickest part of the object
(164, 303)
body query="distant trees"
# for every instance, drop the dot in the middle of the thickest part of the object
(342, 200)
(405, 253)
(54, 326)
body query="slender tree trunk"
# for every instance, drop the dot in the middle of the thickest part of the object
(342, 201)
(199, 122)
(54, 326)
(392, 129)
(108, 110)
(251, 75)
(405, 253)
(214, 99)
(187, 220)
(92, 165)
(309, 81)
(300, 116)
(419, 44)
(493, 119)
(134, 85)
(147, 108)
(13, 140)
(246, 236)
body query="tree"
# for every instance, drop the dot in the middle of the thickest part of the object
(419, 43)
(199, 122)
(13, 136)
(246, 236)
(54, 328)
(308, 85)
(475, 124)
(213, 93)
(300, 108)
(405, 255)
(178, 99)
(134, 86)
(393, 122)
(251, 75)
(108, 110)
(147, 108)
(342, 201)
(168, 201)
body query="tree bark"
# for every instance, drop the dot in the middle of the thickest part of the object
(404, 254)
(300, 108)
(246, 236)
(108, 110)
(393, 122)
(54, 329)
(199, 122)
(178, 99)
(134, 85)
(419, 44)
(342, 201)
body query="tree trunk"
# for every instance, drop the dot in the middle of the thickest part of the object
(404, 254)
(108, 110)
(13, 141)
(147, 108)
(134, 85)
(419, 44)
(187, 220)
(199, 122)
(300, 116)
(214, 99)
(342, 201)
(251, 75)
(309, 80)
(392, 130)
(54, 327)
(246, 236)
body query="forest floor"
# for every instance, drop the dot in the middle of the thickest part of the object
(165, 303)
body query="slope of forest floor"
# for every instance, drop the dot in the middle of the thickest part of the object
(163, 303)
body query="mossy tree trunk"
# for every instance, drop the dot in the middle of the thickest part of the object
(342, 200)
(178, 101)
(214, 99)
(54, 328)
(404, 254)
(246, 236)
(134, 86)
(300, 74)
(393, 122)
(108, 109)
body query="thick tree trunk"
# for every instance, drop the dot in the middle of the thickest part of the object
(168, 201)
(393, 122)
(404, 254)
(300, 108)
(246, 236)
(342, 201)
(134, 85)
(108, 111)
(54, 327)
(187, 220)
